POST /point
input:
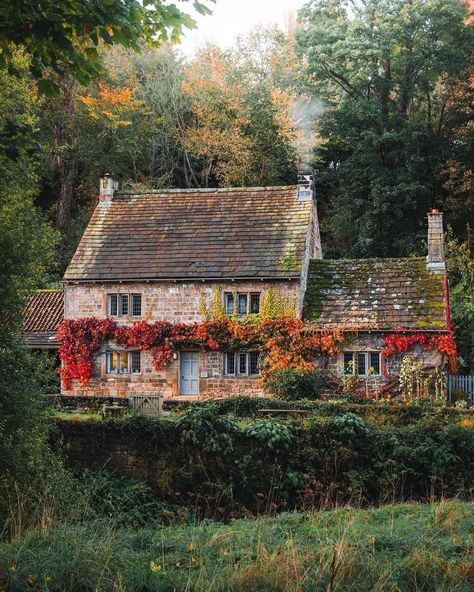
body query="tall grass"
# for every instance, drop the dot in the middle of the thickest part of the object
(397, 548)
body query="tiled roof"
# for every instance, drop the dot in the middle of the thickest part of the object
(43, 313)
(380, 294)
(195, 234)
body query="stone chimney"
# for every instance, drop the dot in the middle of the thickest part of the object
(305, 184)
(107, 188)
(435, 257)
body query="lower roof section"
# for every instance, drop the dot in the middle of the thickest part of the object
(375, 294)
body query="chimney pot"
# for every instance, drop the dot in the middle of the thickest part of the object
(435, 259)
(107, 188)
(305, 184)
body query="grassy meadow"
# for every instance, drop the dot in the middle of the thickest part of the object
(396, 548)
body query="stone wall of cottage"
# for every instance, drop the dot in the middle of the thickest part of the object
(212, 381)
(373, 341)
(175, 302)
(171, 301)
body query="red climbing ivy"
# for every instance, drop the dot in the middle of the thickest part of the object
(284, 342)
(401, 341)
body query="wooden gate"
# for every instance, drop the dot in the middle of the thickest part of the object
(461, 382)
(147, 404)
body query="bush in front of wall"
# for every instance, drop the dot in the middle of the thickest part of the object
(294, 385)
(219, 467)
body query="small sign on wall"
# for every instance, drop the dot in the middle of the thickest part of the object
(204, 374)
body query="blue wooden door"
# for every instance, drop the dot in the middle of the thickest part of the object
(189, 373)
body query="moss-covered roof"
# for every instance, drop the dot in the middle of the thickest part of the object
(379, 294)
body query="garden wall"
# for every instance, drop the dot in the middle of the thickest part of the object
(219, 465)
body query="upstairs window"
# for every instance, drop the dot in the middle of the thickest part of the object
(136, 305)
(255, 303)
(242, 303)
(229, 303)
(362, 363)
(241, 363)
(123, 362)
(112, 305)
(123, 305)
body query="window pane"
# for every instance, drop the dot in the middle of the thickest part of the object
(229, 363)
(123, 305)
(349, 362)
(136, 305)
(255, 303)
(135, 362)
(112, 362)
(112, 305)
(253, 363)
(242, 363)
(243, 303)
(361, 369)
(229, 303)
(124, 362)
(375, 362)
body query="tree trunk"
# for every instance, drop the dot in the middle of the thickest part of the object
(63, 140)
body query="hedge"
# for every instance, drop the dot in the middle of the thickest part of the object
(224, 467)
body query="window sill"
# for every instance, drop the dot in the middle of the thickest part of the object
(240, 376)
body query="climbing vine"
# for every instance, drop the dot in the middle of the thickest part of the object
(401, 342)
(283, 343)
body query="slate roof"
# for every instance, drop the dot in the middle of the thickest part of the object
(382, 294)
(195, 234)
(43, 312)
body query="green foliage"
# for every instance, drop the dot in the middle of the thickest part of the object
(294, 385)
(202, 429)
(270, 433)
(387, 73)
(460, 265)
(128, 502)
(349, 425)
(340, 455)
(66, 36)
(29, 472)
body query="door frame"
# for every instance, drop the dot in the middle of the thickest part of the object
(196, 351)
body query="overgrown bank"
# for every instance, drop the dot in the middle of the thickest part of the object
(228, 468)
(408, 547)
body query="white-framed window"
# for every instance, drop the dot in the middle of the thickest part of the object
(229, 303)
(241, 363)
(112, 305)
(246, 303)
(242, 304)
(124, 305)
(255, 302)
(123, 362)
(229, 363)
(136, 305)
(361, 363)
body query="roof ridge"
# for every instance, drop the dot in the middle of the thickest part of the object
(207, 190)
(357, 259)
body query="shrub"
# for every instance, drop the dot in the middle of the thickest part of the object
(271, 433)
(294, 385)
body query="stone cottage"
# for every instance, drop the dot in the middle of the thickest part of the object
(170, 254)
(164, 255)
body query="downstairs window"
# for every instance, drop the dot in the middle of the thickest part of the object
(241, 363)
(362, 363)
(123, 362)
